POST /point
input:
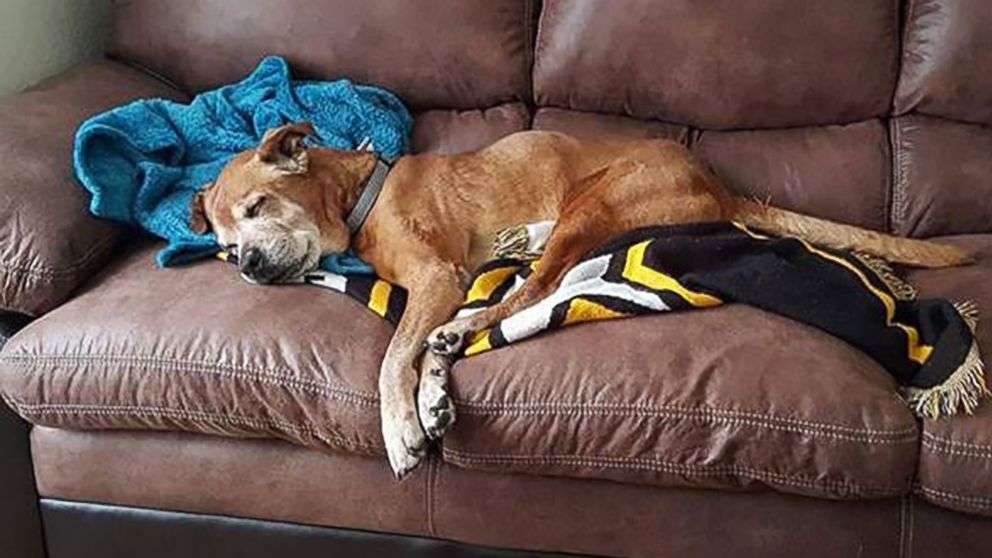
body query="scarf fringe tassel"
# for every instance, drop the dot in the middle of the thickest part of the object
(964, 390)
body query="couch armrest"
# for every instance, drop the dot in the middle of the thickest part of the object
(49, 243)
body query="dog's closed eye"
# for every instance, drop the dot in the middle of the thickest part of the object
(255, 208)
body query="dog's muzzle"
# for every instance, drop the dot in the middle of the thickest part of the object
(255, 266)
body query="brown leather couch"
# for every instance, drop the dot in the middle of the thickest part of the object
(183, 412)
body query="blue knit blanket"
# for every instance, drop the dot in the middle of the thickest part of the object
(143, 162)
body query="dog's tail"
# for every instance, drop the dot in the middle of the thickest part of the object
(908, 251)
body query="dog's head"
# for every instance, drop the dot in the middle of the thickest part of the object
(280, 207)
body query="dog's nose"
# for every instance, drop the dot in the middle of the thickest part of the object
(251, 261)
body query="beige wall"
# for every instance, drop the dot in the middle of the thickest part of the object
(39, 38)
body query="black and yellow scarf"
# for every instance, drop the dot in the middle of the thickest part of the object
(927, 345)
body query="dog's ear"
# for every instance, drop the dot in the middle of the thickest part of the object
(198, 222)
(283, 147)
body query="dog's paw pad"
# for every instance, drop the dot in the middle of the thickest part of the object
(441, 423)
(446, 343)
(418, 451)
(436, 408)
(442, 404)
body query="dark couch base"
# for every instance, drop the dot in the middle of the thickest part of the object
(20, 525)
(81, 530)
(10, 323)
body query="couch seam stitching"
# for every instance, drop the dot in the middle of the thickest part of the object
(911, 524)
(145, 71)
(429, 496)
(976, 501)
(620, 462)
(891, 134)
(956, 453)
(937, 444)
(898, 209)
(64, 410)
(904, 435)
(902, 527)
(20, 272)
(62, 273)
(178, 365)
(529, 13)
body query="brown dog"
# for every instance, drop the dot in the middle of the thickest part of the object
(284, 205)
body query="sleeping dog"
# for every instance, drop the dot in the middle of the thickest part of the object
(424, 223)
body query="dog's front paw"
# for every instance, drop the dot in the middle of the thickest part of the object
(436, 409)
(405, 442)
(448, 340)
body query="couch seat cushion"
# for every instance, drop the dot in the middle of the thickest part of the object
(956, 454)
(200, 349)
(729, 398)
(724, 398)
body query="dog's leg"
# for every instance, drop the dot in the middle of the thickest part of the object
(585, 226)
(433, 296)
(436, 409)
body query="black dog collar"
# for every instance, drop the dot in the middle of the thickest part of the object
(370, 193)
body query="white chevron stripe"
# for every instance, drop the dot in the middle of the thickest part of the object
(326, 279)
(585, 279)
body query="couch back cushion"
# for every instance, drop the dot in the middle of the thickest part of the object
(943, 136)
(785, 100)
(947, 53)
(720, 63)
(442, 53)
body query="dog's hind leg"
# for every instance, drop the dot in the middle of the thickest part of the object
(433, 294)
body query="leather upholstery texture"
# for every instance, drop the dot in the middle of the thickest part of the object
(276, 481)
(720, 64)
(221, 357)
(49, 243)
(836, 172)
(451, 131)
(947, 50)
(708, 399)
(442, 54)
(941, 184)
